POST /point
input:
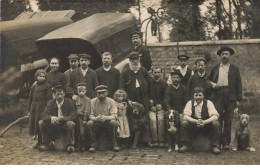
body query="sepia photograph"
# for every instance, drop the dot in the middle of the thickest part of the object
(130, 82)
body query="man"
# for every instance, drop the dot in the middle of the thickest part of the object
(58, 118)
(83, 74)
(143, 51)
(103, 115)
(199, 79)
(227, 92)
(74, 64)
(107, 75)
(200, 116)
(135, 80)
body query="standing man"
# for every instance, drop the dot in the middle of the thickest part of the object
(107, 75)
(227, 92)
(84, 74)
(135, 80)
(143, 51)
(58, 118)
(199, 79)
(103, 115)
(74, 64)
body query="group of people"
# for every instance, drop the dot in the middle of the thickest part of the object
(85, 101)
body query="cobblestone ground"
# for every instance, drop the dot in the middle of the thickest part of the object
(15, 149)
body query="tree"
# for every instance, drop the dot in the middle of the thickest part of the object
(12, 8)
(85, 8)
(185, 18)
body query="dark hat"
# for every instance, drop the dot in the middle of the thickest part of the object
(201, 59)
(85, 56)
(73, 56)
(198, 90)
(183, 57)
(138, 33)
(176, 72)
(81, 84)
(225, 48)
(58, 88)
(133, 55)
(101, 88)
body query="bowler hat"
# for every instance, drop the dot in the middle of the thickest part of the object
(225, 48)
(140, 34)
(183, 57)
(85, 56)
(201, 59)
(101, 88)
(58, 88)
(133, 55)
(73, 56)
(176, 72)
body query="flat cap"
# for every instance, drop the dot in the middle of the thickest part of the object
(183, 57)
(176, 72)
(225, 48)
(58, 88)
(101, 88)
(85, 56)
(140, 34)
(201, 59)
(81, 84)
(73, 56)
(133, 55)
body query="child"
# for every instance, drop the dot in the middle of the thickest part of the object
(40, 94)
(83, 107)
(120, 97)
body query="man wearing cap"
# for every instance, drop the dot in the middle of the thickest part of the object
(199, 79)
(184, 69)
(136, 81)
(83, 74)
(200, 116)
(143, 51)
(58, 118)
(74, 64)
(108, 75)
(103, 116)
(227, 92)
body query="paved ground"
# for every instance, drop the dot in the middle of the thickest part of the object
(15, 149)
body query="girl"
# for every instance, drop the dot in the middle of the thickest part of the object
(40, 94)
(120, 97)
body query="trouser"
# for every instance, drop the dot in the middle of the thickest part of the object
(50, 132)
(190, 130)
(95, 127)
(157, 126)
(225, 108)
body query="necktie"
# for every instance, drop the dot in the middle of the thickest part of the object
(59, 110)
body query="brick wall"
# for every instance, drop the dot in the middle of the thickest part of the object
(246, 57)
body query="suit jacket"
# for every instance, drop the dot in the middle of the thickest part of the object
(90, 79)
(234, 82)
(68, 109)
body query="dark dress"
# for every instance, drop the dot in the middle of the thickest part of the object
(40, 94)
(56, 78)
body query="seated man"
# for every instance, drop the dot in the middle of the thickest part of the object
(102, 116)
(57, 119)
(200, 116)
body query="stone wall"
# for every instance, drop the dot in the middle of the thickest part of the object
(246, 57)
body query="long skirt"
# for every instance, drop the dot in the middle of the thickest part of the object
(123, 128)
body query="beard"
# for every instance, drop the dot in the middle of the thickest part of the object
(134, 67)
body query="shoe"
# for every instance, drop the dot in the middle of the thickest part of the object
(216, 150)
(115, 148)
(43, 148)
(36, 146)
(92, 148)
(226, 147)
(183, 149)
(70, 149)
(149, 144)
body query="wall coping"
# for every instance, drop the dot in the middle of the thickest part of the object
(197, 43)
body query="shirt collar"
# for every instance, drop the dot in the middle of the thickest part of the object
(137, 46)
(107, 69)
(201, 75)
(82, 70)
(176, 87)
(60, 103)
(227, 65)
(195, 103)
(159, 80)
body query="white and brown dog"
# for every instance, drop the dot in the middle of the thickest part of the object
(173, 123)
(242, 136)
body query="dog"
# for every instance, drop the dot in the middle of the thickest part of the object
(173, 125)
(242, 136)
(137, 120)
